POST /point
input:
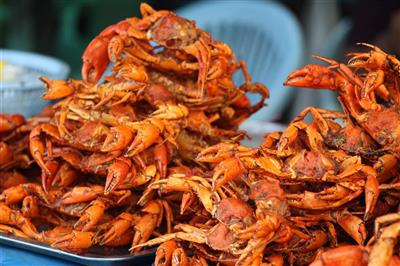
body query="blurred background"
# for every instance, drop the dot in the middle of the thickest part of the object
(274, 42)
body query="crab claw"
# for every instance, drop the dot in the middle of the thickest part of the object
(360, 60)
(65, 176)
(164, 252)
(91, 216)
(95, 59)
(147, 134)
(16, 194)
(371, 196)
(314, 76)
(119, 138)
(76, 241)
(144, 228)
(117, 172)
(186, 201)
(12, 217)
(48, 178)
(353, 225)
(96, 56)
(57, 89)
(52, 235)
(30, 207)
(178, 182)
(180, 257)
(376, 58)
(117, 228)
(81, 194)
(37, 148)
(230, 169)
(161, 158)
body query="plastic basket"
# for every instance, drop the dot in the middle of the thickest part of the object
(264, 34)
(23, 94)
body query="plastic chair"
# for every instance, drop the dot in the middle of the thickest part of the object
(333, 48)
(264, 34)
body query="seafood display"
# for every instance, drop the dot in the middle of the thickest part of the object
(149, 155)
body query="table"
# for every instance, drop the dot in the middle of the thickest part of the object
(10, 256)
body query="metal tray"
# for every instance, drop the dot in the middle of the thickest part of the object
(96, 256)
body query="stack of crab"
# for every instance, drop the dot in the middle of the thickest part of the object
(319, 193)
(170, 94)
(150, 156)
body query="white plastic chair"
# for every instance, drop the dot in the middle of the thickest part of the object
(333, 48)
(263, 33)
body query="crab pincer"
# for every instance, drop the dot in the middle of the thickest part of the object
(76, 241)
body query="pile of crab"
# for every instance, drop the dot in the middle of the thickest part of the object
(169, 94)
(150, 156)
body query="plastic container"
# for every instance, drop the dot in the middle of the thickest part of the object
(263, 33)
(22, 94)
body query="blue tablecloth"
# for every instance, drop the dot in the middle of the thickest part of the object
(10, 256)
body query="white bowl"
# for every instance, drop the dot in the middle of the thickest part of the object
(21, 94)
